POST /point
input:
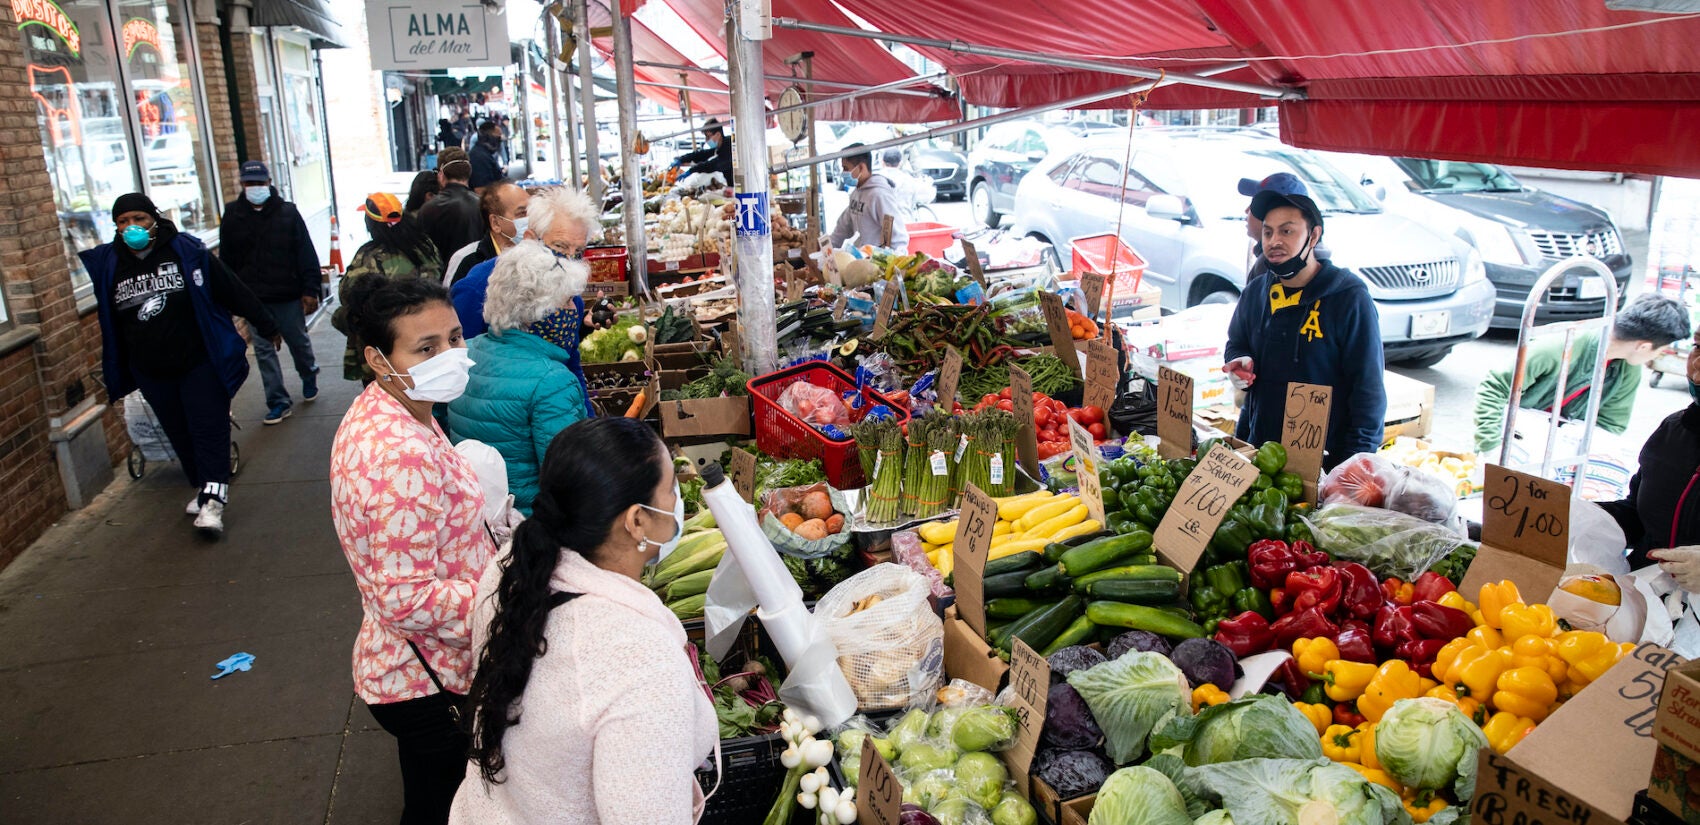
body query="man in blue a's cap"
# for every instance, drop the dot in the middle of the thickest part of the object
(1285, 183)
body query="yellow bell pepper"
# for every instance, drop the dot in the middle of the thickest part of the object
(1376, 776)
(1504, 730)
(1456, 601)
(1313, 654)
(1318, 714)
(1526, 691)
(1485, 637)
(1366, 747)
(1393, 681)
(1341, 742)
(1539, 652)
(1519, 620)
(1426, 684)
(1448, 655)
(1496, 597)
(1346, 680)
(1480, 676)
(1469, 706)
(1207, 694)
(1587, 655)
(1423, 805)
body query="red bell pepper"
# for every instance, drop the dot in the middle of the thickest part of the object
(1291, 678)
(1361, 594)
(1355, 641)
(1394, 626)
(1318, 587)
(1437, 621)
(1420, 654)
(1429, 587)
(1272, 560)
(1346, 713)
(1397, 590)
(1310, 623)
(1246, 634)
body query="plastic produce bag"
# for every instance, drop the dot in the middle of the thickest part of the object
(1372, 480)
(815, 405)
(906, 550)
(801, 521)
(890, 643)
(1388, 543)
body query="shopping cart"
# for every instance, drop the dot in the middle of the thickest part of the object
(148, 441)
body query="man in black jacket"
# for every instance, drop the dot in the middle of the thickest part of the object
(487, 166)
(450, 218)
(265, 242)
(715, 157)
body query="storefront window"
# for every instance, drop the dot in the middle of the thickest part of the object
(306, 139)
(155, 43)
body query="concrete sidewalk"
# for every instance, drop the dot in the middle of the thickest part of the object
(114, 621)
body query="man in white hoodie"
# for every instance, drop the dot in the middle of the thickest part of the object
(874, 198)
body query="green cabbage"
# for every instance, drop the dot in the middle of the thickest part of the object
(1429, 744)
(1256, 726)
(1299, 792)
(1139, 796)
(980, 777)
(1130, 695)
(1214, 818)
(957, 811)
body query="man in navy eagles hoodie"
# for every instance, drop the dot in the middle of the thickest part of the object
(1303, 319)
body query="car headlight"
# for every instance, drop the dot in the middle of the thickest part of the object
(1474, 269)
(1493, 240)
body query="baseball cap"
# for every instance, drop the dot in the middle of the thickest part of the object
(383, 207)
(1269, 199)
(1286, 183)
(254, 171)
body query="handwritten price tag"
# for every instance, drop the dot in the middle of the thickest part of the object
(1021, 403)
(1086, 461)
(1103, 375)
(839, 306)
(950, 374)
(828, 266)
(1056, 320)
(1220, 478)
(886, 226)
(882, 314)
(973, 544)
(1527, 514)
(744, 474)
(1092, 288)
(975, 271)
(1030, 679)
(1174, 413)
(1305, 431)
(879, 797)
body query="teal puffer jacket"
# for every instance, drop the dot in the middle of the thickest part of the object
(521, 394)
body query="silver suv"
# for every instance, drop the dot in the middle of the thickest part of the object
(1181, 210)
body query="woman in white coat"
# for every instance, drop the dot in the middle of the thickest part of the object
(586, 703)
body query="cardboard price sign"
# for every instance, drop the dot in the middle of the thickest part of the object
(1219, 480)
(794, 285)
(879, 797)
(950, 374)
(1086, 461)
(839, 306)
(886, 226)
(975, 271)
(744, 474)
(1525, 533)
(1056, 320)
(828, 266)
(1092, 288)
(882, 315)
(1174, 414)
(1030, 681)
(1021, 403)
(973, 544)
(1103, 375)
(733, 343)
(1305, 431)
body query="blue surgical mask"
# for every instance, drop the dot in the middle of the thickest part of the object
(257, 194)
(714, 144)
(136, 237)
(519, 227)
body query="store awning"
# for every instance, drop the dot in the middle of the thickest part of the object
(648, 47)
(443, 84)
(310, 16)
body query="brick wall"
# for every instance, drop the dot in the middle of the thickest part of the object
(247, 107)
(219, 113)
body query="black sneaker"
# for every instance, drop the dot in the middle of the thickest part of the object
(277, 414)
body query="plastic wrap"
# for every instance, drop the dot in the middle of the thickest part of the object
(791, 517)
(815, 405)
(890, 643)
(1388, 543)
(1373, 480)
(906, 550)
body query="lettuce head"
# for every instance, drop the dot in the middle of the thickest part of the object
(1139, 796)
(1299, 792)
(1256, 726)
(1428, 744)
(1130, 695)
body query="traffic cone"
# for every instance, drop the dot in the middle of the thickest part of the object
(336, 247)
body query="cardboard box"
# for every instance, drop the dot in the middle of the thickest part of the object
(1410, 406)
(699, 418)
(1148, 295)
(1675, 782)
(1077, 811)
(967, 656)
(1585, 763)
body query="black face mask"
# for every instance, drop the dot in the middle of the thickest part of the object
(1285, 270)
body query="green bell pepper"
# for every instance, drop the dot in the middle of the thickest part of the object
(1292, 484)
(1254, 600)
(1314, 695)
(1298, 530)
(1271, 458)
(1205, 445)
(1262, 482)
(1227, 578)
(1210, 626)
(1232, 538)
(1121, 523)
(1269, 513)
(1125, 470)
(1207, 602)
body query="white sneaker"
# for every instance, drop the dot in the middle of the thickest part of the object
(194, 508)
(210, 521)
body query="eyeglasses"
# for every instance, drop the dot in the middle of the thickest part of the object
(572, 255)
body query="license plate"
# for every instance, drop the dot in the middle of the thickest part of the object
(1430, 324)
(1591, 288)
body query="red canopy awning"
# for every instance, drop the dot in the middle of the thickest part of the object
(648, 47)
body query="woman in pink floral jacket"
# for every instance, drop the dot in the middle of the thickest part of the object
(408, 509)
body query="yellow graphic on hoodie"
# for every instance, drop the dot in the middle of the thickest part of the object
(1312, 329)
(1280, 298)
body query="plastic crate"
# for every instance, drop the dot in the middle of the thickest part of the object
(931, 238)
(607, 264)
(783, 435)
(1098, 253)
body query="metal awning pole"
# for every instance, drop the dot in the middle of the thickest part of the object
(991, 120)
(890, 88)
(558, 78)
(587, 103)
(571, 128)
(677, 87)
(1108, 67)
(806, 81)
(754, 238)
(689, 113)
(631, 184)
(814, 212)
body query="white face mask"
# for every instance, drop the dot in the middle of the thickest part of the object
(438, 379)
(519, 227)
(257, 194)
(678, 515)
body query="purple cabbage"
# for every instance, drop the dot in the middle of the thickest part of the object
(1068, 721)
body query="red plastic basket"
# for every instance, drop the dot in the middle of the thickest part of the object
(783, 435)
(1093, 253)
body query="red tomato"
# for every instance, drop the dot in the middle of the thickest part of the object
(1078, 416)
(1006, 406)
(1042, 416)
(1093, 414)
(1004, 393)
(1097, 430)
(989, 398)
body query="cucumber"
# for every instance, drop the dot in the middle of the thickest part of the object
(1136, 567)
(1054, 550)
(1136, 591)
(1140, 617)
(1028, 560)
(1005, 584)
(1047, 579)
(1014, 607)
(1104, 552)
(1041, 627)
(1078, 633)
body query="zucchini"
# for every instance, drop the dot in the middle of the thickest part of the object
(1104, 552)
(1137, 591)
(1139, 617)
(1078, 633)
(1041, 627)
(1135, 568)
(1014, 607)
(1005, 584)
(1046, 579)
(1028, 561)
(1054, 550)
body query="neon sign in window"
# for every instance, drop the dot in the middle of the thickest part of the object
(47, 14)
(138, 32)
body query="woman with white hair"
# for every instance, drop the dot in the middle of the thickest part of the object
(524, 386)
(561, 217)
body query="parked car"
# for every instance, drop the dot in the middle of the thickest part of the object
(1180, 209)
(944, 166)
(1000, 160)
(1519, 230)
